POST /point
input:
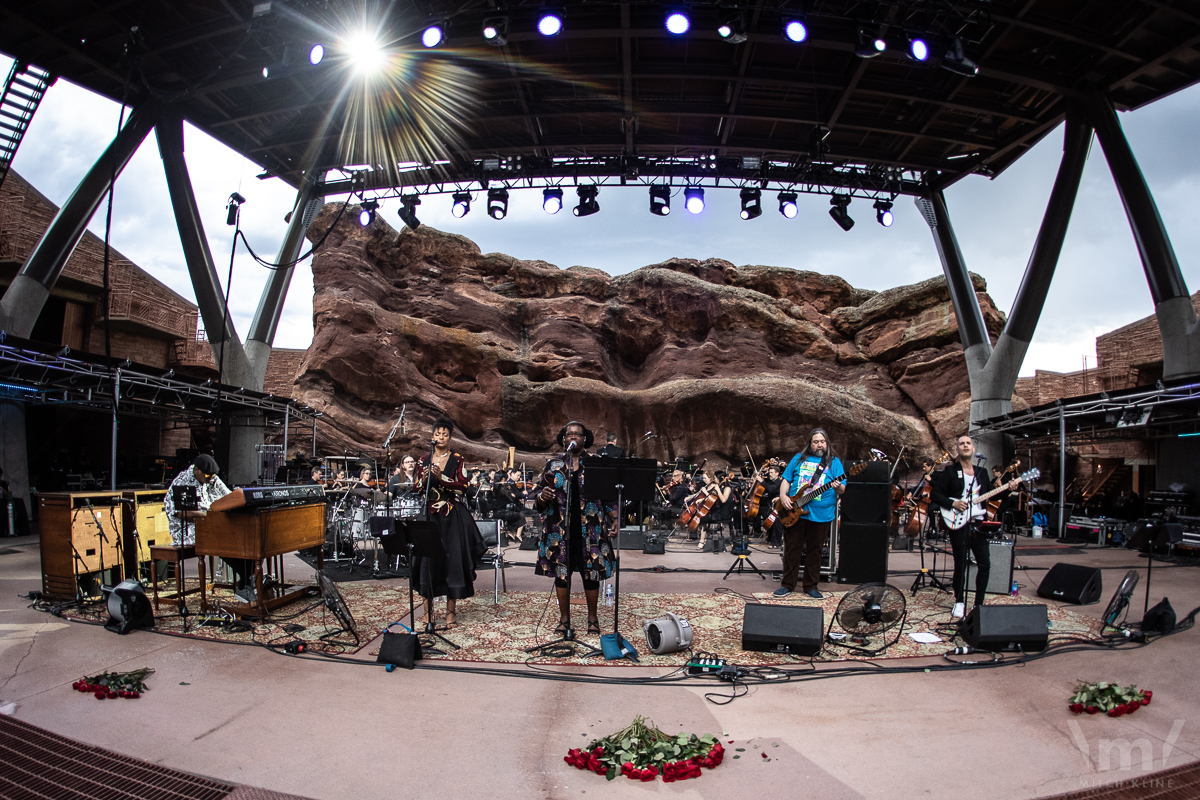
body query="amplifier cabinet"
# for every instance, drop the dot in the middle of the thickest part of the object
(1000, 576)
(147, 516)
(70, 542)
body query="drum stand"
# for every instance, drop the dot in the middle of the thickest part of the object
(337, 524)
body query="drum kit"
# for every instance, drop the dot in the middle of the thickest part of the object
(357, 516)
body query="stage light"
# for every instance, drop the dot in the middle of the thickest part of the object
(366, 53)
(587, 201)
(408, 210)
(316, 54)
(678, 23)
(732, 26)
(751, 203)
(918, 49)
(957, 62)
(839, 203)
(366, 214)
(660, 200)
(550, 24)
(462, 204)
(868, 45)
(495, 30)
(693, 199)
(433, 35)
(883, 213)
(795, 30)
(787, 205)
(497, 206)
(552, 200)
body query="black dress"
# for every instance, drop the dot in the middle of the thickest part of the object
(453, 576)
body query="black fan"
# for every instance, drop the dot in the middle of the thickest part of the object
(336, 605)
(870, 610)
(1119, 605)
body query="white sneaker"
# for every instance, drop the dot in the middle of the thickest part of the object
(959, 611)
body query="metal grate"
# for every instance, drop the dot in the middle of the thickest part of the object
(43, 765)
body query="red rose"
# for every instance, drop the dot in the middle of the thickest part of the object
(99, 695)
(647, 776)
(1132, 707)
(1092, 710)
(1148, 694)
(1112, 712)
(598, 752)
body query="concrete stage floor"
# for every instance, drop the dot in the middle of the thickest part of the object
(326, 729)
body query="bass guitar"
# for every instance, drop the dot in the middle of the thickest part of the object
(956, 519)
(799, 501)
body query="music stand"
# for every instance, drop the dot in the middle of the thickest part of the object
(928, 577)
(421, 538)
(618, 479)
(1150, 536)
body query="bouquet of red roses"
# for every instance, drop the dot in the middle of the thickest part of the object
(1108, 698)
(642, 752)
(111, 685)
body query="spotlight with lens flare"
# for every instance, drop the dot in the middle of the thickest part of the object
(678, 23)
(787, 205)
(366, 213)
(408, 210)
(693, 199)
(751, 203)
(462, 204)
(794, 29)
(839, 203)
(868, 45)
(883, 213)
(434, 35)
(660, 200)
(587, 201)
(550, 23)
(918, 49)
(365, 53)
(732, 26)
(495, 30)
(552, 200)
(497, 206)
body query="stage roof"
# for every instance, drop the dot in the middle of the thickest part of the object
(615, 97)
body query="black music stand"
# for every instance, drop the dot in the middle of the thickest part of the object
(618, 479)
(1150, 536)
(421, 538)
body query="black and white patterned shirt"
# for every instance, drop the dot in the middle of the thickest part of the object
(206, 493)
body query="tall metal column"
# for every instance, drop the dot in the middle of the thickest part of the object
(1172, 303)
(23, 301)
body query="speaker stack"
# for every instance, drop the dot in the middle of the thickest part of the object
(863, 531)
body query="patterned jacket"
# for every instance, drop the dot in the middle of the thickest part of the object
(596, 518)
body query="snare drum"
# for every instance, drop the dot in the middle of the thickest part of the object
(358, 522)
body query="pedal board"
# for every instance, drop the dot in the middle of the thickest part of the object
(706, 666)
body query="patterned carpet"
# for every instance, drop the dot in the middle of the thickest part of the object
(500, 633)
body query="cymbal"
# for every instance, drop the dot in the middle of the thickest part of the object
(362, 491)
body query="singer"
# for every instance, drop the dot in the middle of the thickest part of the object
(445, 473)
(957, 487)
(576, 534)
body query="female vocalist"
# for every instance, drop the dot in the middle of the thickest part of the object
(453, 577)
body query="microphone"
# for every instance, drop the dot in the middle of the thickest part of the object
(571, 447)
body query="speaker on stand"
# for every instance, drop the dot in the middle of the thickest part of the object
(863, 531)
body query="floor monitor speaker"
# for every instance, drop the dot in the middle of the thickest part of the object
(999, 628)
(1072, 583)
(797, 630)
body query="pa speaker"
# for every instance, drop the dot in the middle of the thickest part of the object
(632, 538)
(868, 503)
(797, 630)
(999, 628)
(862, 553)
(489, 529)
(1072, 583)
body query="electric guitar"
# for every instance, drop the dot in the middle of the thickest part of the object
(956, 519)
(799, 501)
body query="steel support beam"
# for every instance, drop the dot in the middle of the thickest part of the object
(1172, 304)
(23, 302)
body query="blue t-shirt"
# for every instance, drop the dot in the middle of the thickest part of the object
(822, 508)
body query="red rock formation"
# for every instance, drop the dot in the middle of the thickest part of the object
(713, 358)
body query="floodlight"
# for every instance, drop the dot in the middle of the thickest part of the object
(955, 61)
(366, 53)
(462, 204)
(316, 54)
(550, 24)
(660, 200)
(868, 45)
(839, 203)
(751, 203)
(433, 35)
(366, 214)
(552, 200)
(495, 30)
(883, 213)
(408, 210)
(787, 204)
(587, 201)
(918, 49)
(795, 30)
(732, 26)
(693, 199)
(497, 206)
(678, 23)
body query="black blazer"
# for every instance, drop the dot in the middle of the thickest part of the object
(946, 485)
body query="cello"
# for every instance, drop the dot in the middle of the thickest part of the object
(919, 502)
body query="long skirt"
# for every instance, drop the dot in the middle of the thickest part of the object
(453, 576)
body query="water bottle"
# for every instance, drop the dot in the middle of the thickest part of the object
(1016, 590)
(608, 594)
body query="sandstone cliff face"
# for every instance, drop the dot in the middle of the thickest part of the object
(712, 357)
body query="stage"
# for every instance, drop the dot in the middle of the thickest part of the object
(317, 727)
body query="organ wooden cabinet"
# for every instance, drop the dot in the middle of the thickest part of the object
(73, 546)
(148, 518)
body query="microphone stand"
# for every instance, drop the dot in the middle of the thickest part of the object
(387, 471)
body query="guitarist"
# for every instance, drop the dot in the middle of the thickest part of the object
(955, 487)
(816, 466)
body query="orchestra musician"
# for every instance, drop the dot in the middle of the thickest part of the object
(611, 450)
(812, 468)
(443, 474)
(510, 500)
(719, 513)
(364, 479)
(576, 537)
(771, 485)
(956, 488)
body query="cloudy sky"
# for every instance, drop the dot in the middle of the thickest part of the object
(1098, 286)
